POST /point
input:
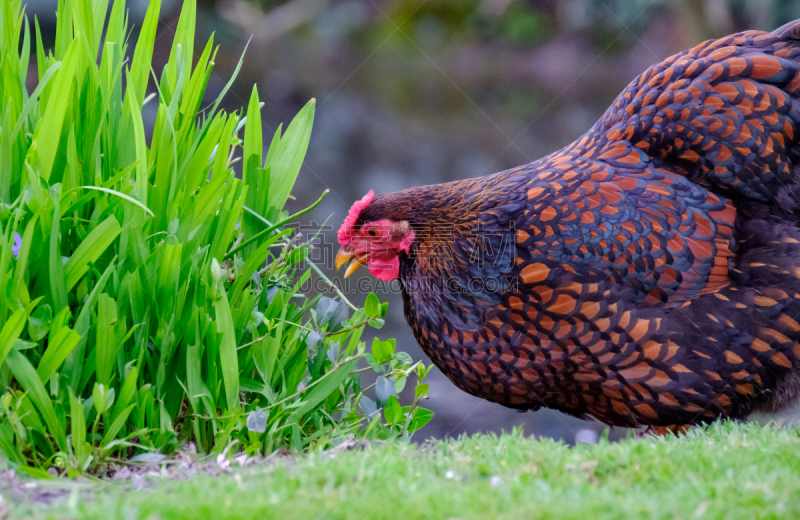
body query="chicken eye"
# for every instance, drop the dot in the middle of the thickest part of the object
(372, 233)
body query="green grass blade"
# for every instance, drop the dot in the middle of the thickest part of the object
(59, 346)
(99, 10)
(10, 332)
(253, 146)
(116, 425)
(285, 163)
(106, 346)
(40, 52)
(94, 245)
(78, 427)
(143, 54)
(126, 394)
(140, 147)
(184, 38)
(47, 136)
(29, 380)
(256, 178)
(64, 35)
(73, 368)
(229, 363)
(121, 195)
(228, 85)
(33, 100)
(58, 289)
(327, 384)
(25, 54)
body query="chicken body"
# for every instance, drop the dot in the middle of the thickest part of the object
(646, 274)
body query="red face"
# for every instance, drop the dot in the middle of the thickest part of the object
(375, 244)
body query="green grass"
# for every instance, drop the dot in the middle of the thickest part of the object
(730, 471)
(149, 294)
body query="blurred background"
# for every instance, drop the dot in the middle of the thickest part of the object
(413, 92)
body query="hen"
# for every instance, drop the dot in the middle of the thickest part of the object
(646, 274)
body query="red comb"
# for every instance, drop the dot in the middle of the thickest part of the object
(346, 231)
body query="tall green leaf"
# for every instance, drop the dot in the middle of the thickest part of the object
(143, 55)
(59, 346)
(285, 164)
(90, 249)
(58, 288)
(228, 361)
(47, 136)
(29, 380)
(10, 332)
(107, 344)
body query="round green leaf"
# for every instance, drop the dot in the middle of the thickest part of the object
(393, 413)
(372, 306)
(257, 421)
(384, 389)
(421, 417)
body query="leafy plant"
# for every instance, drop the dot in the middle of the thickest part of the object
(148, 296)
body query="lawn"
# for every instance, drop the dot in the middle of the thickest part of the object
(727, 471)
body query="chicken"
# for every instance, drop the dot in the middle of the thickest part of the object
(648, 274)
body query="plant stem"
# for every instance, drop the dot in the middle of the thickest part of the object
(275, 226)
(333, 369)
(333, 286)
(342, 331)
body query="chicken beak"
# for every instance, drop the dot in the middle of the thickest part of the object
(343, 256)
(347, 253)
(357, 262)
